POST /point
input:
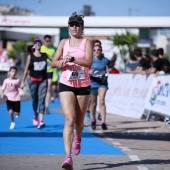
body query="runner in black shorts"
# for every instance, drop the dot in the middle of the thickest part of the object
(11, 86)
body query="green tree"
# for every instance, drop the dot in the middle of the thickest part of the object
(20, 48)
(125, 42)
(12, 54)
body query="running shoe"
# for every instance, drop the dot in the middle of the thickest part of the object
(68, 163)
(87, 116)
(93, 125)
(99, 117)
(17, 116)
(76, 145)
(12, 126)
(35, 119)
(104, 126)
(41, 125)
(52, 99)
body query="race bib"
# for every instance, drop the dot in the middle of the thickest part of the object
(38, 66)
(75, 73)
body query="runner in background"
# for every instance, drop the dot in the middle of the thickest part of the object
(54, 93)
(36, 67)
(99, 85)
(10, 88)
(50, 51)
(88, 116)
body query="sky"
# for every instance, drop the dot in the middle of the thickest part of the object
(99, 7)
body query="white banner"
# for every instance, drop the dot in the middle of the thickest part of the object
(158, 98)
(127, 94)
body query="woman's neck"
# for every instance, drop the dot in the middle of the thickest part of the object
(37, 53)
(75, 42)
(99, 56)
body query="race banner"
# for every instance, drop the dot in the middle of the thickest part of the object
(158, 98)
(127, 94)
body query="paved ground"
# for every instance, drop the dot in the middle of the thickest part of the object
(145, 146)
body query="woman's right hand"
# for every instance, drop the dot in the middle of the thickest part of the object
(61, 63)
(91, 71)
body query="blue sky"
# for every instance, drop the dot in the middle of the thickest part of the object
(100, 7)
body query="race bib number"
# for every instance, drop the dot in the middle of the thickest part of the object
(75, 73)
(38, 66)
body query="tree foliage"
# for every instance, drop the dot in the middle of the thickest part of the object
(20, 46)
(126, 43)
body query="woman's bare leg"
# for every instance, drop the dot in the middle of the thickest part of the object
(68, 102)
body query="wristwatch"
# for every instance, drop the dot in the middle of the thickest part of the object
(72, 59)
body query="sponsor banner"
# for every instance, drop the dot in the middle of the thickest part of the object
(127, 94)
(158, 98)
(33, 21)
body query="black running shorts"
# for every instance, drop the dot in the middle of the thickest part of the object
(14, 105)
(77, 91)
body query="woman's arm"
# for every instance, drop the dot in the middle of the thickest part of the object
(50, 58)
(57, 62)
(3, 89)
(25, 71)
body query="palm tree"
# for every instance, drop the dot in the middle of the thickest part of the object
(20, 48)
(125, 42)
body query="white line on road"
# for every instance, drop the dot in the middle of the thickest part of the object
(116, 143)
(109, 139)
(99, 131)
(124, 148)
(134, 157)
(142, 168)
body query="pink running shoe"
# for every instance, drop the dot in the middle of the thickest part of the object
(68, 163)
(76, 145)
(35, 119)
(41, 125)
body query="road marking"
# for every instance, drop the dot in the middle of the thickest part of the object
(124, 148)
(134, 157)
(109, 139)
(116, 143)
(129, 131)
(142, 168)
(99, 131)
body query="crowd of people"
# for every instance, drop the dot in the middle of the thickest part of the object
(154, 63)
(82, 84)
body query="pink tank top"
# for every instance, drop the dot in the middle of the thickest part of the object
(73, 74)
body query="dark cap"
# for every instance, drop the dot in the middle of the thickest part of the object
(76, 19)
(37, 39)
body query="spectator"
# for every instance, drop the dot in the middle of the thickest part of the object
(143, 63)
(112, 69)
(158, 63)
(132, 64)
(165, 62)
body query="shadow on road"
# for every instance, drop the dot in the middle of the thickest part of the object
(144, 162)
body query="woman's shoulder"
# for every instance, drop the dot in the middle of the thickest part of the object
(88, 43)
(63, 41)
(87, 40)
(105, 58)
